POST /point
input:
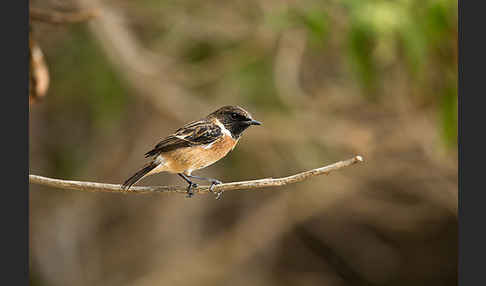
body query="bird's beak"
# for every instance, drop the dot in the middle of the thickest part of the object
(255, 122)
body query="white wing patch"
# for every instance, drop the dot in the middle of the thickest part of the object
(210, 144)
(160, 160)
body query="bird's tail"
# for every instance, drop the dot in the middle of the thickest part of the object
(138, 175)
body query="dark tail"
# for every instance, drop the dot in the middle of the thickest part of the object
(138, 175)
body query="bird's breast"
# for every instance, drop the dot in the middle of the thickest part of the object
(198, 157)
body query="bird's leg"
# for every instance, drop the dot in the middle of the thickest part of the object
(211, 187)
(190, 193)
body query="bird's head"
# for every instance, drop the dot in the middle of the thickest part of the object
(235, 119)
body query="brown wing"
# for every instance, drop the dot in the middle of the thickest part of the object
(192, 134)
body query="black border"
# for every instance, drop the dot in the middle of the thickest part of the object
(15, 148)
(472, 194)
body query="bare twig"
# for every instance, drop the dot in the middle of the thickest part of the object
(55, 17)
(39, 74)
(243, 185)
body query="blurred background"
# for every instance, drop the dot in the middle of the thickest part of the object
(328, 79)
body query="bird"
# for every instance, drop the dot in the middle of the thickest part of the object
(195, 146)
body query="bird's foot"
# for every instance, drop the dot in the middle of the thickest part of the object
(211, 189)
(190, 193)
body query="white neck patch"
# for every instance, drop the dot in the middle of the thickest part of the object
(223, 129)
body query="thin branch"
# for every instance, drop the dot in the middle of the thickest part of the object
(243, 185)
(55, 17)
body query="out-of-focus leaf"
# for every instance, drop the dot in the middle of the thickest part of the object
(257, 84)
(415, 47)
(361, 45)
(198, 51)
(102, 89)
(314, 21)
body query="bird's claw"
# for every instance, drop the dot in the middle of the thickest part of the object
(218, 195)
(211, 189)
(190, 193)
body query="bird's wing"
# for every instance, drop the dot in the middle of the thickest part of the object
(195, 133)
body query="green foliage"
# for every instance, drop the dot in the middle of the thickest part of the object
(198, 51)
(314, 20)
(81, 68)
(373, 37)
(361, 44)
(86, 90)
(417, 34)
(414, 35)
(257, 84)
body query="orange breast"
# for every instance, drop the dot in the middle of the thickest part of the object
(198, 157)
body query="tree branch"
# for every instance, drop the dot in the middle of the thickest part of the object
(243, 185)
(55, 17)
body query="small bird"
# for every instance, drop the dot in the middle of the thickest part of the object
(197, 145)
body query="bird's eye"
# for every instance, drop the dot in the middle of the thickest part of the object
(234, 115)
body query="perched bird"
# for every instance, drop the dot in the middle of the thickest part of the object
(197, 145)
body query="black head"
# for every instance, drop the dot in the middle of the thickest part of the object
(235, 119)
